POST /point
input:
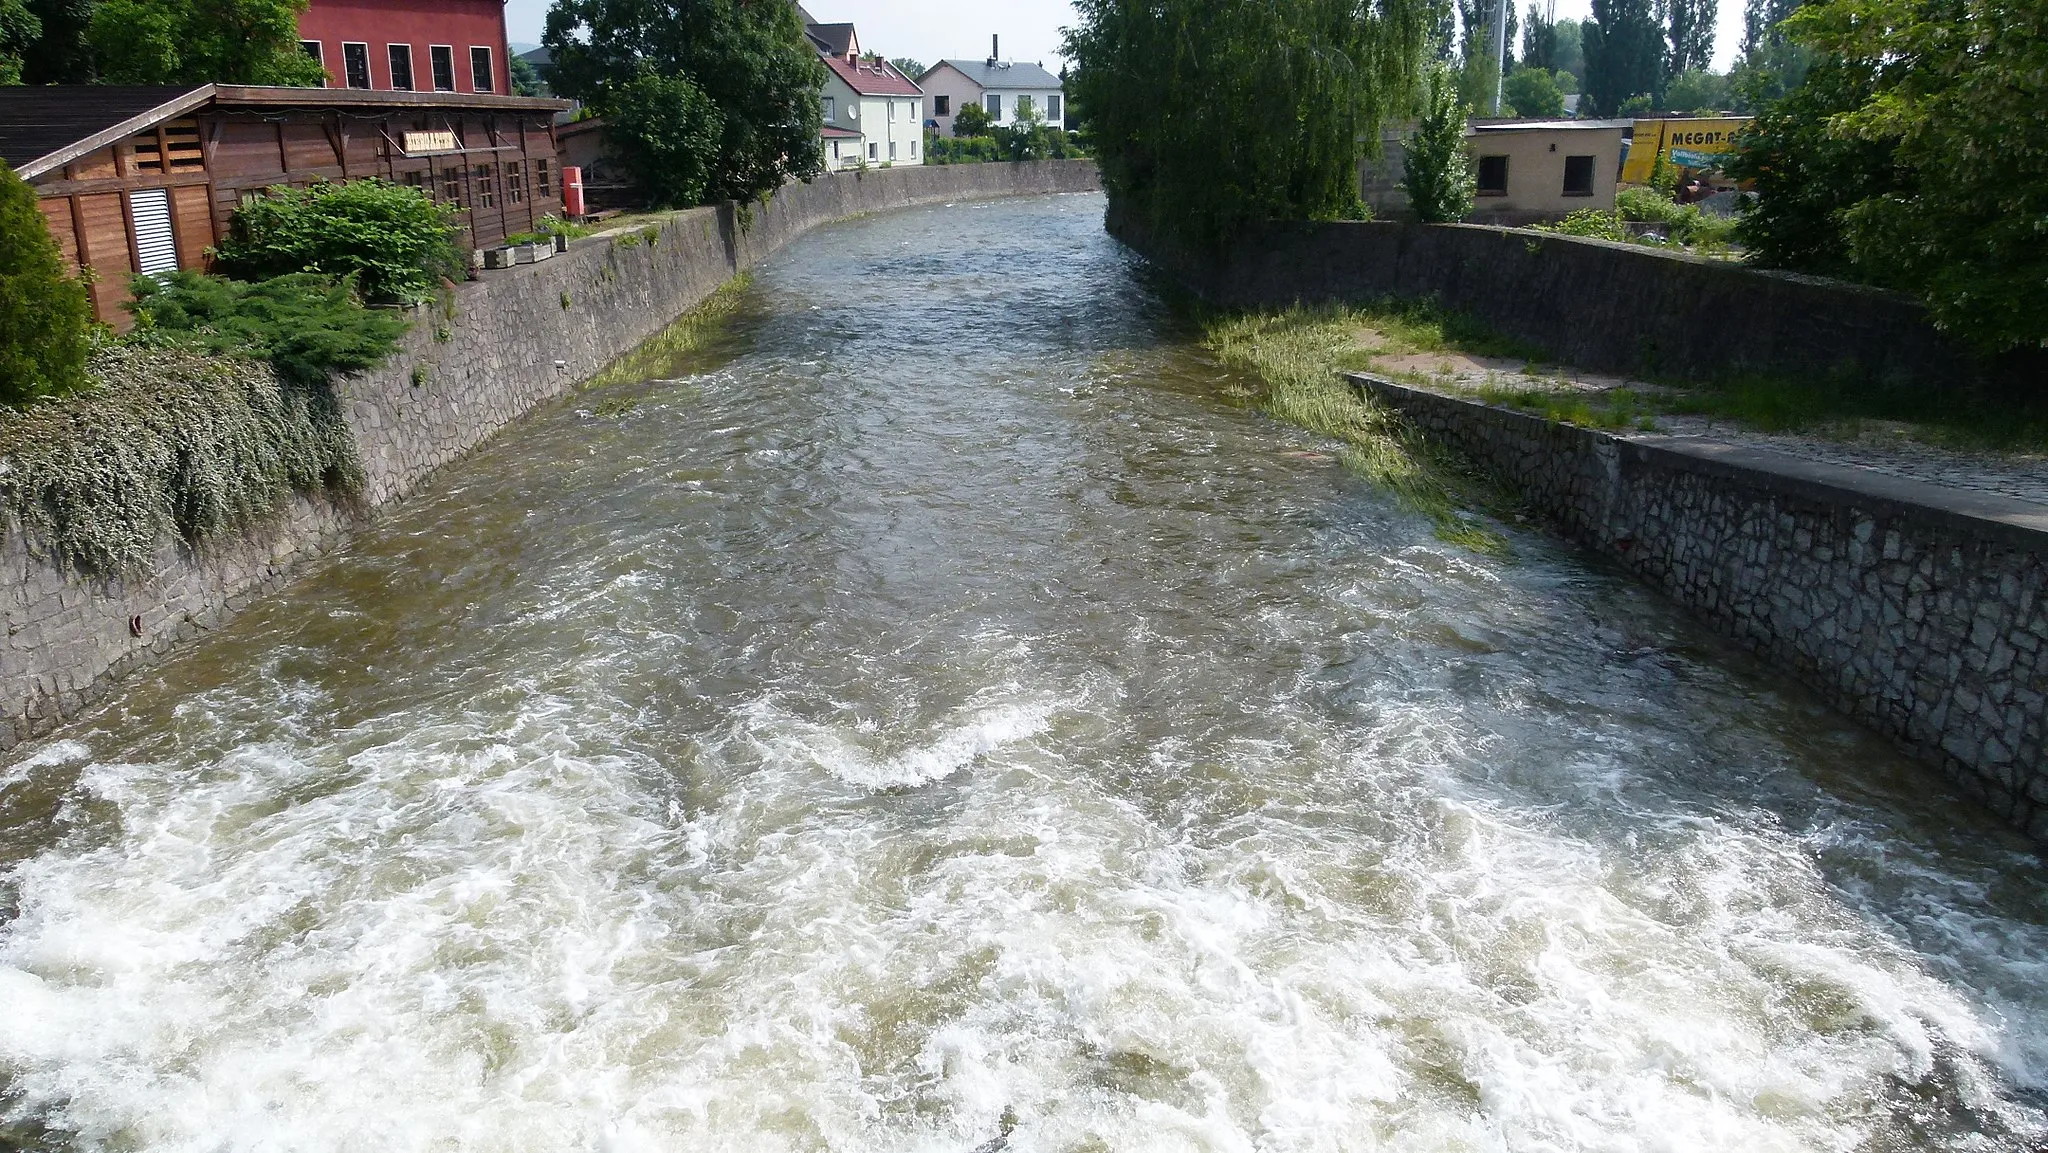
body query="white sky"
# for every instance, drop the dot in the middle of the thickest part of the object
(930, 30)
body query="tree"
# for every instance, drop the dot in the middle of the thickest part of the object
(971, 120)
(1771, 65)
(60, 54)
(196, 41)
(1481, 67)
(1689, 35)
(1436, 170)
(1696, 90)
(44, 314)
(526, 79)
(1571, 53)
(1532, 92)
(907, 66)
(393, 242)
(1539, 40)
(1624, 46)
(727, 88)
(1211, 114)
(1960, 88)
(1807, 177)
(19, 31)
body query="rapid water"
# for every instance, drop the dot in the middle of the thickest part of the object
(941, 719)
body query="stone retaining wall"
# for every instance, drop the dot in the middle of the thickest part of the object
(1920, 610)
(1596, 304)
(513, 340)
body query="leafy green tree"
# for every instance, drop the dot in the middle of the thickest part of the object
(907, 66)
(1689, 35)
(1961, 88)
(526, 79)
(1539, 40)
(1532, 92)
(394, 242)
(738, 75)
(1436, 170)
(19, 30)
(60, 54)
(44, 315)
(1210, 114)
(971, 120)
(196, 41)
(1624, 46)
(1770, 64)
(1698, 90)
(1571, 51)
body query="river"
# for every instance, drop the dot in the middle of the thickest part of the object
(940, 718)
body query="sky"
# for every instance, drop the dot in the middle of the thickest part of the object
(930, 30)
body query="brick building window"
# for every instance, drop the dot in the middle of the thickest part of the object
(480, 72)
(401, 66)
(442, 59)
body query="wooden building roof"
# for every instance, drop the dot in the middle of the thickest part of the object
(45, 127)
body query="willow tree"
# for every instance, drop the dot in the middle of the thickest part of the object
(1210, 114)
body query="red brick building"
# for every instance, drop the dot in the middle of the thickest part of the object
(410, 45)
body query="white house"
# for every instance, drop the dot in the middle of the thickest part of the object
(1007, 88)
(874, 115)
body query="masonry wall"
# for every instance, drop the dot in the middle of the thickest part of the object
(513, 340)
(1920, 610)
(1595, 304)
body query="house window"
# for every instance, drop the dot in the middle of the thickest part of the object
(872, 151)
(835, 150)
(892, 112)
(486, 186)
(401, 67)
(312, 49)
(942, 106)
(1493, 176)
(480, 72)
(830, 108)
(995, 106)
(543, 180)
(451, 187)
(1053, 110)
(1578, 176)
(913, 148)
(515, 183)
(442, 58)
(892, 150)
(1023, 107)
(355, 65)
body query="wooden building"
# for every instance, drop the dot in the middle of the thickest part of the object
(145, 179)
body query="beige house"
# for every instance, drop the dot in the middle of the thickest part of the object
(1528, 170)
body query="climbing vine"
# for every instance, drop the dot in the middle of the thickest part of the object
(172, 442)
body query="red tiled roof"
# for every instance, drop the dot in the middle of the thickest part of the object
(834, 132)
(878, 79)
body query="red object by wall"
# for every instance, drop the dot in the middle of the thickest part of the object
(419, 25)
(572, 190)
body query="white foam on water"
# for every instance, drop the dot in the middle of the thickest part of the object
(50, 756)
(847, 753)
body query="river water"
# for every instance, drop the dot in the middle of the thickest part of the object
(941, 719)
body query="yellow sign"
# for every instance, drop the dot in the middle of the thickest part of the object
(1691, 143)
(426, 143)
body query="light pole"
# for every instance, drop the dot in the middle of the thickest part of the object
(1500, 49)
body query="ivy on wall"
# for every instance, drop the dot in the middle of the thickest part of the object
(173, 442)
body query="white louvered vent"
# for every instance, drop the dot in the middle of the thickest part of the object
(154, 242)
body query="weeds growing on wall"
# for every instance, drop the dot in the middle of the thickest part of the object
(173, 441)
(308, 326)
(1300, 353)
(666, 354)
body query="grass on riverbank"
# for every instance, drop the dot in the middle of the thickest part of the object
(1298, 354)
(677, 350)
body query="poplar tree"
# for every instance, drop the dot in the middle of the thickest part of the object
(1689, 31)
(1624, 46)
(1435, 169)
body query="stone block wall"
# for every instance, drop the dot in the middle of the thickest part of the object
(513, 340)
(1920, 610)
(1596, 304)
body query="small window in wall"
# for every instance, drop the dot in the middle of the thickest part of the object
(312, 49)
(442, 57)
(873, 151)
(942, 106)
(892, 150)
(913, 148)
(451, 187)
(995, 106)
(1578, 176)
(829, 107)
(515, 183)
(480, 72)
(1493, 176)
(543, 179)
(1055, 109)
(401, 67)
(355, 65)
(155, 243)
(486, 186)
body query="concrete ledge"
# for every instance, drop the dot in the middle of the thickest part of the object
(1919, 610)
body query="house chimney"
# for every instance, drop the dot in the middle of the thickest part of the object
(995, 48)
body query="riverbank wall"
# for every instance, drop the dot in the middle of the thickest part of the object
(1596, 304)
(1920, 610)
(511, 341)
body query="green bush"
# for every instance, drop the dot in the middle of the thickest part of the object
(306, 325)
(175, 441)
(971, 120)
(1598, 223)
(44, 315)
(1531, 92)
(395, 241)
(963, 150)
(1685, 223)
(1437, 172)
